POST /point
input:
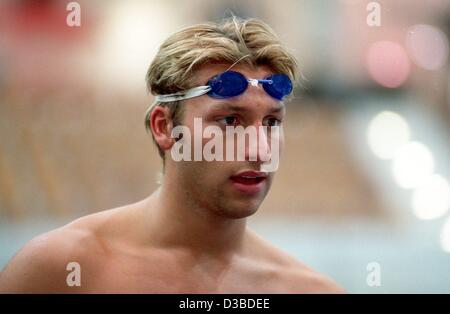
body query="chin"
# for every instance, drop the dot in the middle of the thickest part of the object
(237, 214)
(239, 211)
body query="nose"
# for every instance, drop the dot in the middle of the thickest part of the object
(258, 149)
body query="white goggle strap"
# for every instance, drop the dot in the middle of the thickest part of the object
(190, 93)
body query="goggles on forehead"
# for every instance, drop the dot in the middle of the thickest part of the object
(231, 83)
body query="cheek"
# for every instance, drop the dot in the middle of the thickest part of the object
(207, 179)
(281, 140)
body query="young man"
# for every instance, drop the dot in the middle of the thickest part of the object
(190, 235)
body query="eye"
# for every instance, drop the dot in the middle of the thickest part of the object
(228, 120)
(272, 121)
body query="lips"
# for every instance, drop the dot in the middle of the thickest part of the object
(249, 182)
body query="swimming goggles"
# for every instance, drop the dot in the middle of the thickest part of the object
(231, 83)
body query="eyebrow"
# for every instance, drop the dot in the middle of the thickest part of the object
(227, 106)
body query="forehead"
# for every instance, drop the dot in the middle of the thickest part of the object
(207, 71)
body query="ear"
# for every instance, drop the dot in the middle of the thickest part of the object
(162, 125)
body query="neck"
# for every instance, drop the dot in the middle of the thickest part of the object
(177, 221)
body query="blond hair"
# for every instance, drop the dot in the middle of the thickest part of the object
(233, 40)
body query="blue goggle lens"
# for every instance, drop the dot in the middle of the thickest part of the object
(227, 84)
(281, 86)
(231, 83)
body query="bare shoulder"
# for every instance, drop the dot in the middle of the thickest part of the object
(293, 275)
(44, 263)
(305, 280)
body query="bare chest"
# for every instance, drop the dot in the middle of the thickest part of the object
(168, 275)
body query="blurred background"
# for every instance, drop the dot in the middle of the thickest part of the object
(363, 185)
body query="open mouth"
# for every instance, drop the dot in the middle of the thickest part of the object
(249, 182)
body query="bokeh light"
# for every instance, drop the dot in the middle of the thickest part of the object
(388, 63)
(413, 164)
(432, 200)
(128, 40)
(427, 46)
(387, 132)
